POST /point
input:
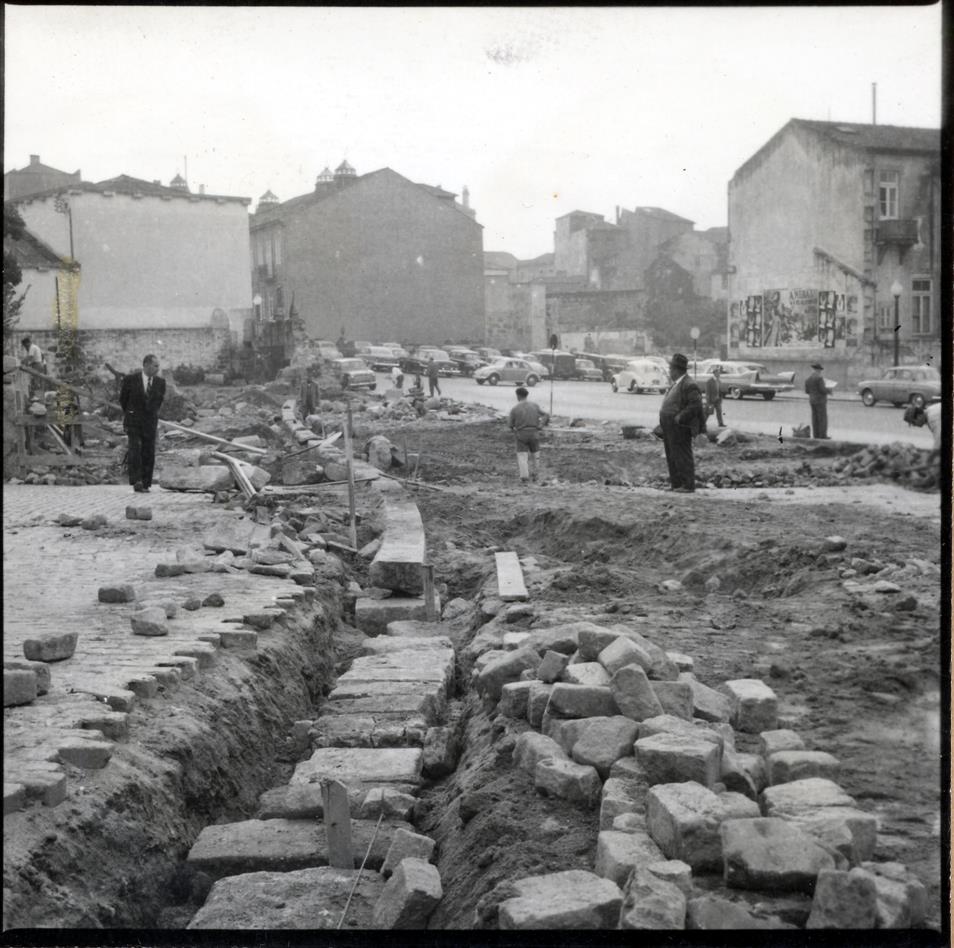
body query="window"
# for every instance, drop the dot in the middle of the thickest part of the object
(920, 307)
(888, 194)
(886, 316)
(869, 180)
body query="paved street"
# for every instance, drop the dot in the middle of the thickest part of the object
(849, 420)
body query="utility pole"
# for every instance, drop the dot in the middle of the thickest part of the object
(874, 103)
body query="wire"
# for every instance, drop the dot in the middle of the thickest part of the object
(357, 878)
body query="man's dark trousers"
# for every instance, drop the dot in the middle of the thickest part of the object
(820, 419)
(142, 450)
(677, 440)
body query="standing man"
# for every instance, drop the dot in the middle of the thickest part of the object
(140, 399)
(818, 399)
(33, 358)
(681, 418)
(714, 395)
(432, 377)
(526, 420)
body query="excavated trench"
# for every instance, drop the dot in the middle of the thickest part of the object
(127, 867)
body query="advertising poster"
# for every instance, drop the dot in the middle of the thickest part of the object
(753, 321)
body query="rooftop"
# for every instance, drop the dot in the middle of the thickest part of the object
(126, 184)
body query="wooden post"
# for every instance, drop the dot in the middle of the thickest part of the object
(430, 612)
(349, 454)
(337, 817)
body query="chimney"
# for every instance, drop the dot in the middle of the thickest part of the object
(465, 194)
(34, 159)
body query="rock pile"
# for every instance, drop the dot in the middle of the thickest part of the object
(910, 466)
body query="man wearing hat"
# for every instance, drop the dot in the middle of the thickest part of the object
(818, 398)
(681, 417)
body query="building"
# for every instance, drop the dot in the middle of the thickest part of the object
(824, 219)
(373, 256)
(35, 178)
(161, 270)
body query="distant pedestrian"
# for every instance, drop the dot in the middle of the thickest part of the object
(714, 395)
(432, 377)
(817, 392)
(397, 377)
(930, 416)
(681, 418)
(140, 399)
(526, 420)
(32, 357)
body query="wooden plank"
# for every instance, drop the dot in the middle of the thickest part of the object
(337, 818)
(510, 585)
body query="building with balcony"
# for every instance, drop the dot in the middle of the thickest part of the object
(373, 256)
(823, 220)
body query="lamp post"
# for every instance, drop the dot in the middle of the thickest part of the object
(694, 335)
(896, 289)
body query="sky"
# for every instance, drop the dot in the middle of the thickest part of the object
(538, 111)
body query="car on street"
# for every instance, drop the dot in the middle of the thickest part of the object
(327, 349)
(542, 370)
(902, 384)
(416, 363)
(507, 369)
(466, 360)
(586, 371)
(608, 364)
(640, 375)
(739, 379)
(488, 353)
(378, 358)
(353, 373)
(560, 365)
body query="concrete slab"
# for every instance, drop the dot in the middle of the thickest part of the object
(399, 562)
(574, 899)
(385, 644)
(391, 707)
(360, 765)
(372, 616)
(510, 584)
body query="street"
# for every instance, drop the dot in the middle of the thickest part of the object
(848, 419)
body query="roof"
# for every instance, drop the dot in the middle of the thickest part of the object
(718, 235)
(500, 258)
(660, 213)
(34, 254)
(126, 184)
(437, 190)
(584, 213)
(876, 137)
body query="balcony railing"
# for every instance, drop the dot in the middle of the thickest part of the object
(903, 231)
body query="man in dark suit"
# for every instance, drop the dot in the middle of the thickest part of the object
(681, 417)
(140, 398)
(817, 392)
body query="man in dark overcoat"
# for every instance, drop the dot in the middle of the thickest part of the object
(681, 417)
(140, 398)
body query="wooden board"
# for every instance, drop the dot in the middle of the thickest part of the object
(510, 585)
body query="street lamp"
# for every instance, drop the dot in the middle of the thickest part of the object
(896, 289)
(694, 335)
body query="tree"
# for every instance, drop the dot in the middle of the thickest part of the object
(14, 228)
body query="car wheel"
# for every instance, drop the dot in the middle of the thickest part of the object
(372, 386)
(632, 388)
(768, 396)
(494, 379)
(867, 398)
(532, 380)
(480, 381)
(735, 392)
(614, 386)
(898, 404)
(917, 400)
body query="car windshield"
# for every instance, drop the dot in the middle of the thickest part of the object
(584, 364)
(349, 365)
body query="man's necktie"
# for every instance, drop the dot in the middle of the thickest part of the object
(148, 386)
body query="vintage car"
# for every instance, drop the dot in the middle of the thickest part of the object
(586, 371)
(903, 384)
(739, 379)
(640, 375)
(560, 365)
(488, 353)
(507, 369)
(466, 360)
(353, 373)
(542, 370)
(326, 349)
(416, 363)
(379, 358)
(609, 364)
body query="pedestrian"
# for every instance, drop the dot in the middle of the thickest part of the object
(397, 377)
(681, 418)
(32, 358)
(140, 399)
(714, 395)
(432, 377)
(930, 416)
(818, 399)
(309, 392)
(526, 420)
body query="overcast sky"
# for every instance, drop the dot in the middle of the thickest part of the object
(539, 111)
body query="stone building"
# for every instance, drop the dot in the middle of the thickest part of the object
(160, 270)
(824, 219)
(372, 256)
(34, 178)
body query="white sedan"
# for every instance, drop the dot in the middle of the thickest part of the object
(641, 375)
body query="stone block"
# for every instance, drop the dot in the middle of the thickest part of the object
(618, 854)
(166, 570)
(634, 695)
(670, 758)
(372, 616)
(238, 638)
(623, 651)
(280, 570)
(261, 619)
(629, 823)
(771, 742)
(19, 687)
(551, 668)
(121, 593)
(676, 871)
(151, 621)
(771, 853)
(786, 766)
(559, 638)
(53, 647)
(41, 669)
(408, 897)
(513, 699)
(504, 669)
(674, 697)
(537, 700)
(848, 831)
(138, 513)
(744, 773)
(652, 903)
(592, 639)
(512, 640)
(581, 701)
(568, 780)
(364, 766)
(209, 478)
(300, 802)
(707, 703)
(530, 748)
(441, 751)
(602, 741)
(844, 900)
(47, 786)
(683, 662)
(901, 897)
(418, 645)
(14, 797)
(112, 724)
(143, 686)
(574, 899)
(754, 705)
(87, 754)
(683, 820)
(737, 806)
(406, 845)
(398, 564)
(392, 803)
(671, 724)
(169, 607)
(586, 673)
(213, 600)
(802, 797)
(712, 913)
(619, 796)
